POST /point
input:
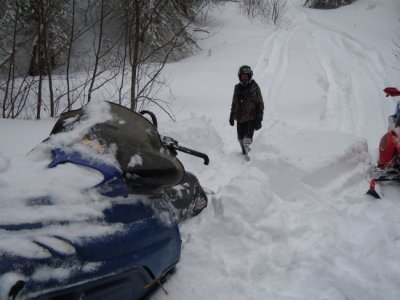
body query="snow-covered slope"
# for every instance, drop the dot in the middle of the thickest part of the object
(293, 223)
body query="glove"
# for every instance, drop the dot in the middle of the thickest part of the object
(257, 124)
(231, 120)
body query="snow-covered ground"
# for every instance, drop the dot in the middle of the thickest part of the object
(294, 222)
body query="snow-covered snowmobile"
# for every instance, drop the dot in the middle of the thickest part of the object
(140, 242)
(388, 166)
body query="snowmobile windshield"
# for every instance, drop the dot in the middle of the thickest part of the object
(147, 165)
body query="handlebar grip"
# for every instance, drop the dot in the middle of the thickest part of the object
(194, 153)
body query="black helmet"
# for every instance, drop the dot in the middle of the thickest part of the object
(245, 70)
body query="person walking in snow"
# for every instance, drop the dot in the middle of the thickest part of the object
(247, 108)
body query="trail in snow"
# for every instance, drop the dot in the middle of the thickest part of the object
(354, 81)
(290, 224)
(317, 68)
(272, 65)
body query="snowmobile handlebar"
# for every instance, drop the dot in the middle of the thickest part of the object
(173, 146)
(194, 153)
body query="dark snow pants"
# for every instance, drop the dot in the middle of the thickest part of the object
(245, 132)
(245, 129)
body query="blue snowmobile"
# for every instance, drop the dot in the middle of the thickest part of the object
(147, 191)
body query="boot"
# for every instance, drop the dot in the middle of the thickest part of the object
(242, 146)
(246, 145)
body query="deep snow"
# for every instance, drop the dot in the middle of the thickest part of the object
(293, 223)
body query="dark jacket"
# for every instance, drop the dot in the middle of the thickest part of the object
(247, 103)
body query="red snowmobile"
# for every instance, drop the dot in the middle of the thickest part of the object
(388, 167)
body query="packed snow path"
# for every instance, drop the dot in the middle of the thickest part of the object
(319, 69)
(293, 223)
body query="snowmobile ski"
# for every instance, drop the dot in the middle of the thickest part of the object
(372, 190)
(389, 174)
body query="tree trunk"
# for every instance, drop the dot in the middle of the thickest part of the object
(126, 42)
(135, 56)
(97, 51)
(69, 56)
(44, 14)
(11, 68)
(39, 99)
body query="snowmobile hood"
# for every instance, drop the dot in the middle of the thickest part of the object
(113, 183)
(135, 236)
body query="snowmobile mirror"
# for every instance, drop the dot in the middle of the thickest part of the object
(169, 141)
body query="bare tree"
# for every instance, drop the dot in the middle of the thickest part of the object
(97, 50)
(95, 16)
(44, 18)
(11, 66)
(278, 10)
(14, 89)
(53, 15)
(40, 70)
(152, 43)
(71, 40)
(47, 18)
(154, 32)
(124, 58)
(134, 49)
(270, 11)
